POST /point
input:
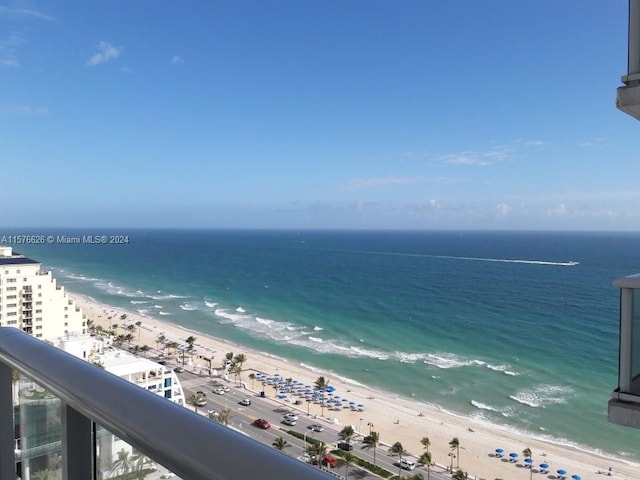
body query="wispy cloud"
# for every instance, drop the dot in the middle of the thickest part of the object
(176, 60)
(374, 182)
(23, 110)
(8, 49)
(21, 13)
(106, 52)
(475, 158)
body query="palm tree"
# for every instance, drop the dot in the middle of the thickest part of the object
(239, 360)
(425, 443)
(348, 459)
(144, 349)
(223, 416)
(123, 317)
(123, 464)
(527, 454)
(371, 441)
(460, 475)
(195, 399)
(425, 459)
(252, 377)
(316, 451)
(139, 462)
(346, 433)
(161, 340)
(454, 444)
(190, 341)
(138, 324)
(235, 370)
(322, 384)
(280, 443)
(397, 449)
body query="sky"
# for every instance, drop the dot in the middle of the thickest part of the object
(332, 114)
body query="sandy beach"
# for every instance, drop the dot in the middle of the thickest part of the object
(396, 419)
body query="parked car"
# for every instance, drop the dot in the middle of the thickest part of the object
(289, 421)
(316, 427)
(290, 416)
(406, 464)
(262, 423)
(329, 461)
(202, 398)
(162, 362)
(345, 446)
(178, 369)
(245, 401)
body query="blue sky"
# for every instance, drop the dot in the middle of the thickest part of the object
(316, 114)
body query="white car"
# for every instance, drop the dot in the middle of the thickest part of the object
(290, 416)
(316, 427)
(289, 421)
(245, 401)
(406, 464)
(219, 391)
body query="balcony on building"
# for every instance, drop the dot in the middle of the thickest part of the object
(628, 95)
(624, 406)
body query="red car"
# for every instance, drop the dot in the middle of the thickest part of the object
(262, 423)
(329, 461)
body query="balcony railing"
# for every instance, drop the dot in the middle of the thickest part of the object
(191, 446)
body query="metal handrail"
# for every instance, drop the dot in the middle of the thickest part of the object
(191, 446)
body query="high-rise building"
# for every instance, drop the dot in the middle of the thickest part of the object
(31, 300)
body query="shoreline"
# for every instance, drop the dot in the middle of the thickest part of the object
(396, 418)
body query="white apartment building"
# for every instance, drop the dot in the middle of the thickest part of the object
(31, 300)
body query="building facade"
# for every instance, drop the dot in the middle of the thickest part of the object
(31, 300)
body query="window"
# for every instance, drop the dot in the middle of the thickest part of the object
(38, 335)
(167, 382)
(12, 322)
(11, 297)
(66, 308)
(167, 394)
(66, 324)
(38, 327)
(38, 311)
(12, 314)
(38, 303)
(11, 305)
(39, 286)
(11, 289)
(11, 280)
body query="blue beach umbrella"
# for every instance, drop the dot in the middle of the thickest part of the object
(544, 467)
(529, 461)
(499, 451)
(514, 456)
(561, 473)
(576, 477)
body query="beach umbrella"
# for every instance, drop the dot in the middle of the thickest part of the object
(513, 456)
(575, 477)
(544, 467)
(499, 452)
(529, 461)
(561, 473)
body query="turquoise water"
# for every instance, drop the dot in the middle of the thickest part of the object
(515, 329)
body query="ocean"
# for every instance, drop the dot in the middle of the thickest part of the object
(516, 329)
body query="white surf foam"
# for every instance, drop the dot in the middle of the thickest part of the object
(542, 395)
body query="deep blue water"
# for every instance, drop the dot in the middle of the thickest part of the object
(504, 327)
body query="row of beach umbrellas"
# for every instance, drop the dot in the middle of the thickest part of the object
(544, 467)
(311, 393)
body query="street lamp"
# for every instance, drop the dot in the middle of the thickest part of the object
(360, 425)
(451, 456)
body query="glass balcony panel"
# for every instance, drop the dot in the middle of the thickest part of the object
(116, 459)
(635, 343)
(38, 431)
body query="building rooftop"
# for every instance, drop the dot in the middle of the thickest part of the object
(9, 257)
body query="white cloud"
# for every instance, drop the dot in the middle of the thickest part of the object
(106, 52)
(8, 50)
(176, 60)
(388, 181)
(559, 210)
(477, 158)
(23, 110)
(503, 209)
(19, 13)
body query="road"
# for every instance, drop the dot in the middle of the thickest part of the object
(241, 419)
